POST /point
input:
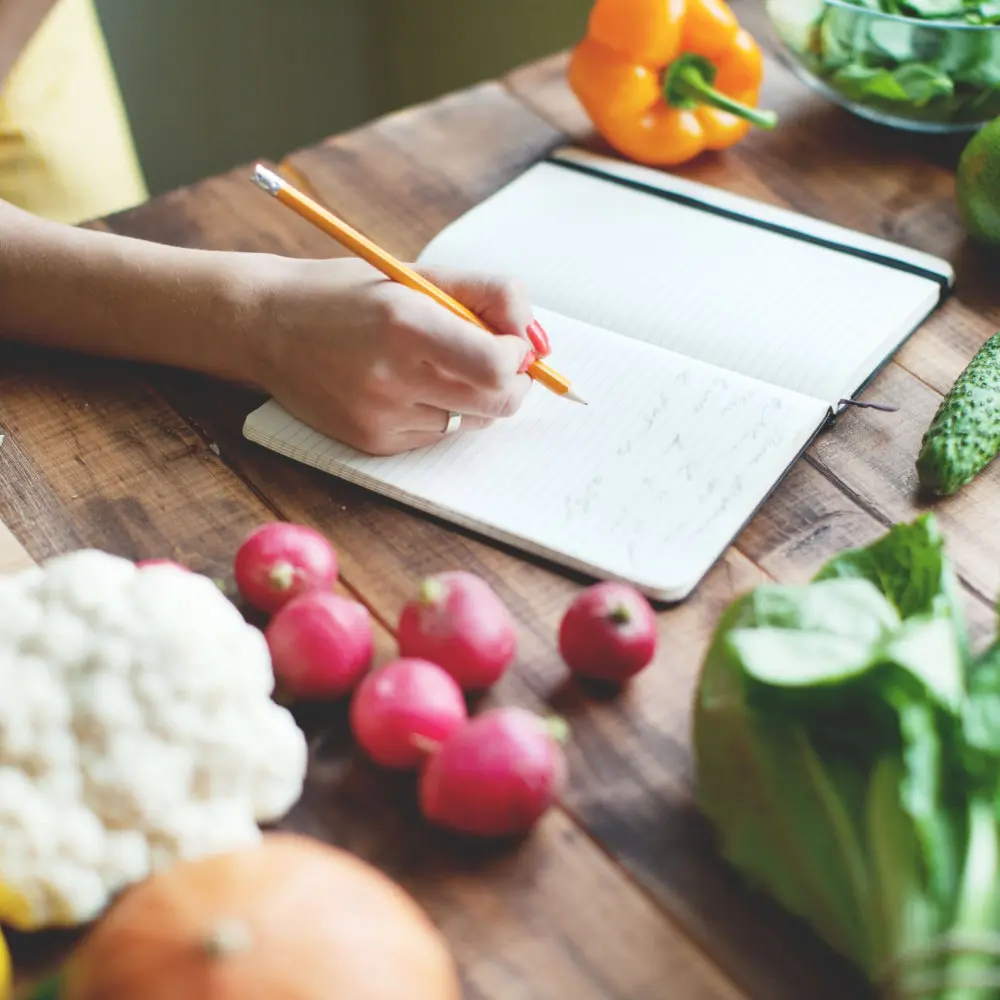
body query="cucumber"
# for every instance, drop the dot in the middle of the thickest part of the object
(964, 436)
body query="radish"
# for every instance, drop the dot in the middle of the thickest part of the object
(404, 710)
(321, 645)
(496, 776)
(608, 633)
(459, 622)
(279, 561)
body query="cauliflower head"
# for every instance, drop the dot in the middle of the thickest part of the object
(136, 728)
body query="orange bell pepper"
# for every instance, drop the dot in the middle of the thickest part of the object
(663, 80)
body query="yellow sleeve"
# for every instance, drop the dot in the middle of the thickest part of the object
(66, 151)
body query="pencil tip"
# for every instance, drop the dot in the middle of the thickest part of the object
(576, 397)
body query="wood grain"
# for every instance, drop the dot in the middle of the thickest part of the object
(94, 457)
(631, 769)
(13, 557)
(370, 176)
(620, 894)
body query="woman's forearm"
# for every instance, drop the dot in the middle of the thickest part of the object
(110, 295)
(362, 359)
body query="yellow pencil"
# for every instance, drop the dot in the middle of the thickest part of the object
(392, 268)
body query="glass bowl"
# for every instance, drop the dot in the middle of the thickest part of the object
(915, 73)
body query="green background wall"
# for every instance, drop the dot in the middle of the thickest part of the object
(210, 84)
(427, 47)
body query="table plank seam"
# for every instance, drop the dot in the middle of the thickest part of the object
(532, 108)
(254, 490)
(776, 62)
(902, 366)
(844, 489)
(895, 361)
(875, 513)
(653, 905)
(661, 906)
(696, 942)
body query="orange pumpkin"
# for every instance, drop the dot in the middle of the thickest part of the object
(293, 919)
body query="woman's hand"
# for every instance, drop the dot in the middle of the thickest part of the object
(378, 366)
(356, 356)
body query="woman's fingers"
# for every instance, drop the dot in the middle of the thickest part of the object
(455, 346)
(439, 391)
(430, 421)
(501, 303)
(432, 428)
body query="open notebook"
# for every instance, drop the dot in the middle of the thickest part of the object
(713, 337)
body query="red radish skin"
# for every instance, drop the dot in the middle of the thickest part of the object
(459, 622)
(496, 776)
(278, 562)
(321, 645)
(403, 711)
(609, 633)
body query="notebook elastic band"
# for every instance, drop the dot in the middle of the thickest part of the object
(774, 227)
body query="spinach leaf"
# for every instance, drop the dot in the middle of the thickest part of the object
(982, 67)
(892, 39)
(934, 8)
(836, 38)
(912, 65)
(923, 83)
(861, 82)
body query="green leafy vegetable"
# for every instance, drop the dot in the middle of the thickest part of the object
(909, 567)
(931, 61)
(847, 748)
(952, 9)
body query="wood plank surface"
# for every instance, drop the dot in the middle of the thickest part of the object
(827, 163)
(620, 893)
(631, 789)
(631, 770)
(97, 458)
(13, 557)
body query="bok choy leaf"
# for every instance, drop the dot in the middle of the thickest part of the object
(848, 758)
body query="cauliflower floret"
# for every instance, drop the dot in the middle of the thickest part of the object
(136, 728)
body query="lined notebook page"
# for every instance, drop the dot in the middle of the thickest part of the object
(648, 483)
(802, 316)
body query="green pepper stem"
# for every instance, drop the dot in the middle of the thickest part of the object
(689, 82)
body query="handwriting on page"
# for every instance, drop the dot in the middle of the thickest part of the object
(683, 482)
(659, 470)
(792, 313)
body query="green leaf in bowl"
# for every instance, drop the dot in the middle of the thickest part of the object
(841, 35)
(922, 83)
(796, 21)
(981, 63)
(860, 82)
(988, 12)
(893, 38)
(929, 9)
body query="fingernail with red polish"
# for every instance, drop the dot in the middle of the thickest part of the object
(539, 338)
(529, 360)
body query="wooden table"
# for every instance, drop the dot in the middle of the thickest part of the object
(619, 895)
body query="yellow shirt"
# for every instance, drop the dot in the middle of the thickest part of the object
(66, 151)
